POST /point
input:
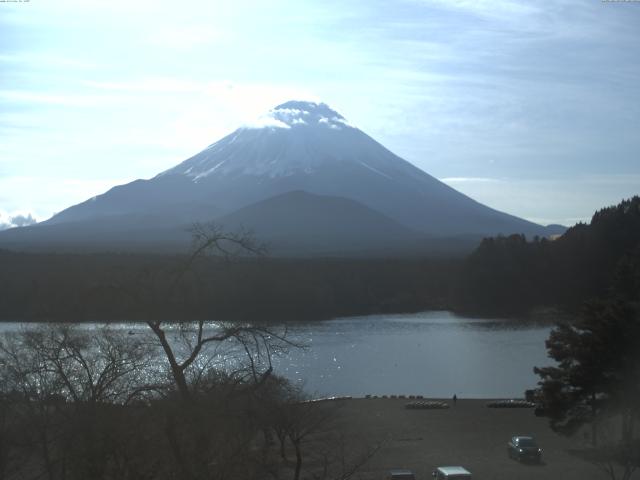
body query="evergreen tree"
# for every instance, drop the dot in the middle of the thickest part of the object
(598, 367)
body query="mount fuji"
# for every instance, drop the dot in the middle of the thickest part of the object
(303, 178)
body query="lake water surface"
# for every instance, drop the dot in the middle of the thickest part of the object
(434, 354)
(430, 353)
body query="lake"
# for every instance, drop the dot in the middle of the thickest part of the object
(435, 354)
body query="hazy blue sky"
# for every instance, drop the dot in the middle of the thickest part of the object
(530, 107)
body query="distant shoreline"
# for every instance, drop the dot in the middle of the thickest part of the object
(546, 316)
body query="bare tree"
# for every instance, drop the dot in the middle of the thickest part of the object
(322, 449)
(66, 387)
(256, 342)
(206, 435)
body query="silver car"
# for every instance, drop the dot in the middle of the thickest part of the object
(451, 473)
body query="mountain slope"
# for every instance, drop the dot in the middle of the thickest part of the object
(298, 146)
(135, 232)
(299, 222)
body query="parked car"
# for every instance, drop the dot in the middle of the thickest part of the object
(401, 474)
(523, 448)
(451, 473)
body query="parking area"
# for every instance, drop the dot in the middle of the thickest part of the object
(468, 434)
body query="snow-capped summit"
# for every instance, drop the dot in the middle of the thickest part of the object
(296, 137)
(297, 113)
(296, 171)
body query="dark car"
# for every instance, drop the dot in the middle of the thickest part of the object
(401, 474)
(524, 448)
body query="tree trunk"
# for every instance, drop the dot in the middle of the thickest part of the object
(627, 426)
(628, 420)
(296, 475)
(176, 370)
(282, 438)
(594, 430)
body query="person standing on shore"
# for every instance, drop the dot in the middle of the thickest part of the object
(455, 399)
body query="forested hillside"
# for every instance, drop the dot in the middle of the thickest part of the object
(109, 287)
(508, 275)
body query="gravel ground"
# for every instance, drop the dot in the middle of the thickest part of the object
(468, 434)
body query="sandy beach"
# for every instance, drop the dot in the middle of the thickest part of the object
(467, 434)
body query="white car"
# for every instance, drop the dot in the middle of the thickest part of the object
(451, 473)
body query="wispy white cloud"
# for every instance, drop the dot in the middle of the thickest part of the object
(493, 9)
(16, 220)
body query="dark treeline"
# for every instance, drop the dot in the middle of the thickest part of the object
(110, 287)
(510, 275)
(504, 276)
